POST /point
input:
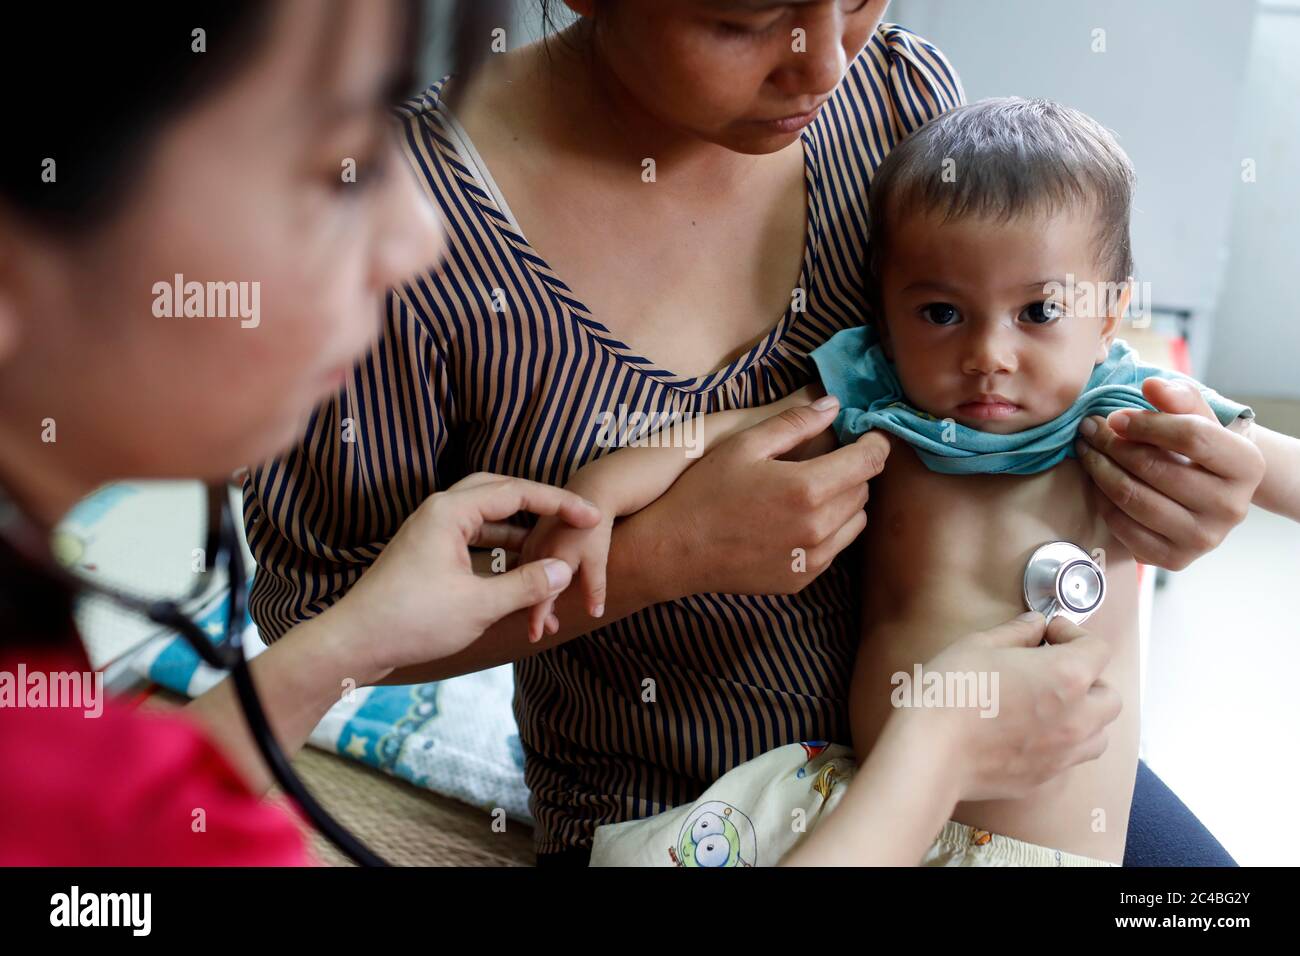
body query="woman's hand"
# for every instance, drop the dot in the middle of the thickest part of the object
(1052, 714)
(1171, 484)
(732, 522)
(421, 599)
(1053, 708)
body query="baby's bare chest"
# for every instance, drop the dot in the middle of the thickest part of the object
(956, 545)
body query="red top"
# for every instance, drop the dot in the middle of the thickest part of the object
(124, 788)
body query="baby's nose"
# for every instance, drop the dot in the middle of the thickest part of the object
(988, 355)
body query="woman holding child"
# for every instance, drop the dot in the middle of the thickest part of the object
(663, 209)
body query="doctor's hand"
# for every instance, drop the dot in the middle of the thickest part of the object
(1052, 706)
(421, 599)
(1170, 484)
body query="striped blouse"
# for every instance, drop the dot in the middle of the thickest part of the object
(491, 363)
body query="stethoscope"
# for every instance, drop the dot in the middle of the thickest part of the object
(1063, 580)
(473, 26)
(222, 553)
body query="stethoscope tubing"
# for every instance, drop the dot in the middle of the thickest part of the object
(223, 546)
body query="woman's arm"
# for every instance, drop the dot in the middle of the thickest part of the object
(1279, 492)
(622, 484)
(900, 798)
(419, 601)
(1053, 710)
(694, 540)
(298, 679)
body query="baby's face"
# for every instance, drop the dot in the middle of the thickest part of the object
(969, 318)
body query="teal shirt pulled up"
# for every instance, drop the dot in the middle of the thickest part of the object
(856, 371)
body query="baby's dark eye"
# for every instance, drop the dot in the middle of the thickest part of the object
(940, 313)
(1043, 313)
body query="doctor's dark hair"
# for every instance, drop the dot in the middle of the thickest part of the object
(92, 86)
(1002, 158)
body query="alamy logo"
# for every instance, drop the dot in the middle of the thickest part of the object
(932, 688)
(622, 428)
(75, 908)
(64, 689)
(209, 300)
(1094, 300)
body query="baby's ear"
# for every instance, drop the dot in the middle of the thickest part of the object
(1115, 308)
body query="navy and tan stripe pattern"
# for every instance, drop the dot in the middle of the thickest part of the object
(456, 385)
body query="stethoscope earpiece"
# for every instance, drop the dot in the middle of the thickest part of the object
(1061, 579)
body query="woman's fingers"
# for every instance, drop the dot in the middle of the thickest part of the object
(475, 502)
(1185, 429)
(474, 480)
(1146, 545)
(1062, 631)
(1176, 481)
(528, 585)
(1100, 707)
(775, 436)
(478, 504)
(1080, 658)
(1023, 631)
(1121, 473)
(1180, 489)
(1105, 702)
(825, 553)
(498, 534)
(1186, 425)
(850, 464)
(1090, 749)
(824, 519)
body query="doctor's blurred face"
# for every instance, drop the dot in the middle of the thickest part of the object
(249, 193)
(745, 74)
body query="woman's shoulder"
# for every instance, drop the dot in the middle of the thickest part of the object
(894, 86)
(427, 103)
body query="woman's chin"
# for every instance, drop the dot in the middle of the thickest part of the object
(758, 140)
(271, 439)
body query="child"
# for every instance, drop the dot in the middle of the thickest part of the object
(1001, 263)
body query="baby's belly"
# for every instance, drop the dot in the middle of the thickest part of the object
(946, 557)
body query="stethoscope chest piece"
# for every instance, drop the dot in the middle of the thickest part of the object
(1061, 579)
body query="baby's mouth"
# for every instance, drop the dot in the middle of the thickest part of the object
(988, 408)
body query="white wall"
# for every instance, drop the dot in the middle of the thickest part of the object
(1257, 334)
(1169, 84)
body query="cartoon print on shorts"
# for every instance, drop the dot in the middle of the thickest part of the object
(812, 749)
(825, 780)
(716, 834)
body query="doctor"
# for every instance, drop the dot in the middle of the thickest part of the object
(213, 143)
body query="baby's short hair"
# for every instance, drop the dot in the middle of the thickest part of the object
(1005, 157)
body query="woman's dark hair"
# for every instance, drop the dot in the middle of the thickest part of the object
(547, 10)
(91, 86)
(552, 27)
